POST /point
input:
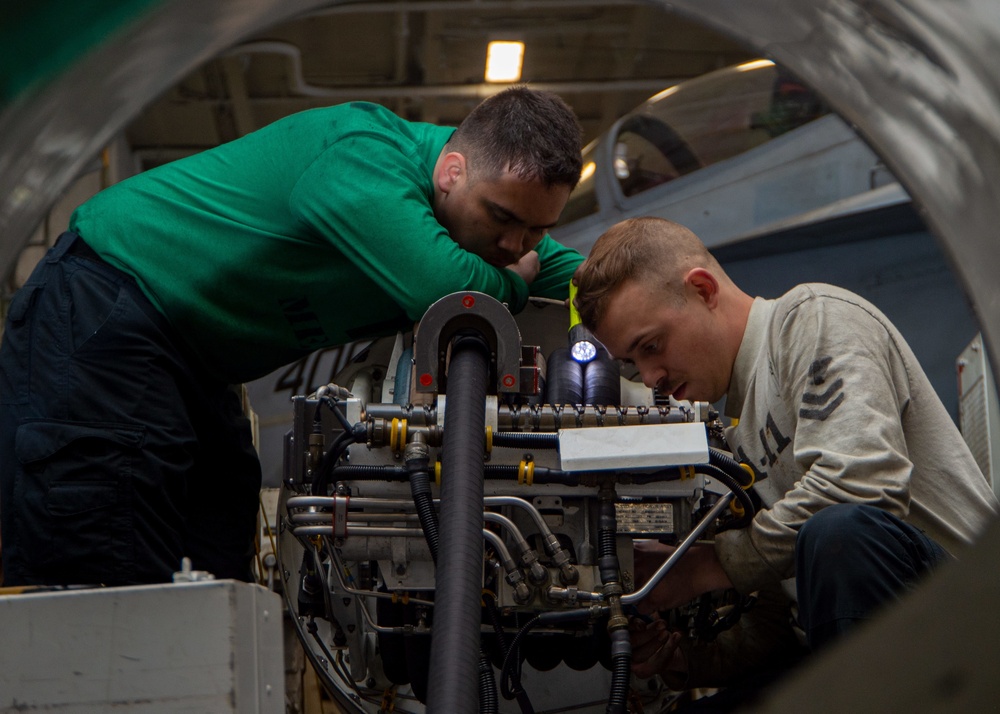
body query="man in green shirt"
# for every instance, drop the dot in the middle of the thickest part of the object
(122, 447)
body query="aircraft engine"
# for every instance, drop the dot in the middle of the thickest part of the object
(458, 515)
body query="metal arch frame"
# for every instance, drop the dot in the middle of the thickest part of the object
(913, 76)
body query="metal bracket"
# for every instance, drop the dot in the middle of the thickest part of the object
(460, 311)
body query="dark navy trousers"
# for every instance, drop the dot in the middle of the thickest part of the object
(851, 560)
(119, 455)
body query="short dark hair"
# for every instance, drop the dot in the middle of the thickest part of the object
(531, 133)
(649, 249)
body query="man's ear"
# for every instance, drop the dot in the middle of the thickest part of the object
(703, 284)
(451, 170)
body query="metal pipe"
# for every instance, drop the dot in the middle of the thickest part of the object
(646, 589)
(479, 91)
(529, 556)
(536, 516)
(357, 501)
(324, 518)
(515, 533)
(336, 567)
(300, 531)
(553, 548)
(522, 593)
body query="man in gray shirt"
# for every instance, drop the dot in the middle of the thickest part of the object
(866, 482)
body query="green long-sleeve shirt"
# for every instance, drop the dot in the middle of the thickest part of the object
(313, 231)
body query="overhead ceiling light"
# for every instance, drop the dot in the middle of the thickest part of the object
(503, 61)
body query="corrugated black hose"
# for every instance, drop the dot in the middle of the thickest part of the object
(733, 485)
(488, 702)
(621, 672)
(727, 463)
(621, 645)
(420, 489)
(455, 643)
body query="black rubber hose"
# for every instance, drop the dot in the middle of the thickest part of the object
(541, 474)
(488, 702)
(370, 472)
(564, 378)
(565, 478)
(341, 417)
(621, 672)
(455, 641)
(562, 617)
(733, 485)
(500, 472)
(332, 456)
(420, 489)
(526, 439)
(489, 600)
(724, 461)
(609, 568)
(510, 682)
(490, 603)
(607, 548)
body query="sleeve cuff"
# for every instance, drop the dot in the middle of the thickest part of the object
(741, 561)
(518, 291)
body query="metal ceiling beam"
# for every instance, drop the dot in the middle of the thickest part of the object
(625, 60)
(478, 6)
(300, 87)
(234, 75)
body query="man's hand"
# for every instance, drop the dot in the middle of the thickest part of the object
(698, 571)
(527, 267)
(655, 648)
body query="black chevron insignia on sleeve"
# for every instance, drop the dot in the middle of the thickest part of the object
(825, 397)
(817, 370)
(819, 406)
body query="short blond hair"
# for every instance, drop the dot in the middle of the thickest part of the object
(646, 248)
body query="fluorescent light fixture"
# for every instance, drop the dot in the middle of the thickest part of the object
(503, 61)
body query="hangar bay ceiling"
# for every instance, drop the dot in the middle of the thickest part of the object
(424, 59)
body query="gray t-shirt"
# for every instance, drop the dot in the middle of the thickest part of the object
(833, 407)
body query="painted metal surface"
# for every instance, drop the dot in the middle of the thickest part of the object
(917, 79)
(210, 646)
(51, 130)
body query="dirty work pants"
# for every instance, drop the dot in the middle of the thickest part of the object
(852, 559)
(118, 456)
